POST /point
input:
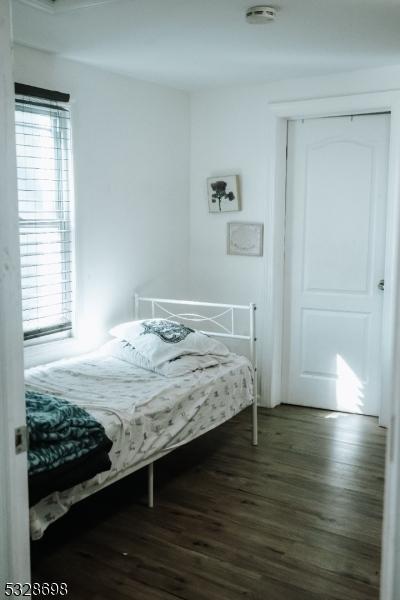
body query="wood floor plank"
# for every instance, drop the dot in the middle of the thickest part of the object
(297, 518)
(250, 548)
(327, 473)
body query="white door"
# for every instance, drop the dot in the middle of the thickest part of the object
(14, 523)
(335, 250)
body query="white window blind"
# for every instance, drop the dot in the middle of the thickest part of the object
(43, 139)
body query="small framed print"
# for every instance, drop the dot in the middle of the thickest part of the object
(245, 239)
(223, 194)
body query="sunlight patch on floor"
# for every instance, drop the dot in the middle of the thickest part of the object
(336, 415)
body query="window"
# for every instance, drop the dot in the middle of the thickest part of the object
(43, 140)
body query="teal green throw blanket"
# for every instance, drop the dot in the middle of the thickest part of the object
(59, 432)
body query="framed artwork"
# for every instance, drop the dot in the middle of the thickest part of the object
(245, 239)
(223, 194)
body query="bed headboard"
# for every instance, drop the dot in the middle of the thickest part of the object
(219, 320)
(214, 319)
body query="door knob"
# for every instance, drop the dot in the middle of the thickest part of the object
(381, 285)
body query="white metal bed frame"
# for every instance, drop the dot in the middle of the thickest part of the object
(224, 311)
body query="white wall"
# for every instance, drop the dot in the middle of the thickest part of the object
(132, 144)
(131, 153)
(233, 131)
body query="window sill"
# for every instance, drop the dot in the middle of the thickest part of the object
(38, 354)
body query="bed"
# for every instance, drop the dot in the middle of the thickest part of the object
(145, 414)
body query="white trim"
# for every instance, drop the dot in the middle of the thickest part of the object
(50, 350)
(324, 107)
(338, 105)
(274, 233)
(14, 525)
(47, 339)
(390, 577)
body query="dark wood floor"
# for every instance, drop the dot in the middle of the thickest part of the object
(298, 518)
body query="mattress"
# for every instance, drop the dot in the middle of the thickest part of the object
(143, 413)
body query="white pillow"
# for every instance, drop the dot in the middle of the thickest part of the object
(174, 368)
(160, 340)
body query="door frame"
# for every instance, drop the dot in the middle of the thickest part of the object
(14, 505)
(283, 112)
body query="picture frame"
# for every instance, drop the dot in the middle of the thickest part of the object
(223, 194)
(245, 239)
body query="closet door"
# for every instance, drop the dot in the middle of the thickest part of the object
(335, 248)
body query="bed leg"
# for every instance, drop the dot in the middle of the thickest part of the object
(253, 357)
(150, 486)
(255, 423)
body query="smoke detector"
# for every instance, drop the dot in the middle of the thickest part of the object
(260, 14)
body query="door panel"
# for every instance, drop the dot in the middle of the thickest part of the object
(345, 333)
(328, 236)
(336, 218)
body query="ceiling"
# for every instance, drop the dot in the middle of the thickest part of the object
(192, 44)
